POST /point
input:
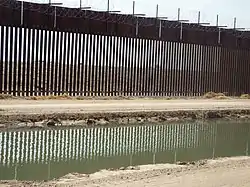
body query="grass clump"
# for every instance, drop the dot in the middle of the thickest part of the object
(5, 96)
(213, 95)
(245, 96)
(221, 97)
(210, 95)
(80, 98)
(51, 97)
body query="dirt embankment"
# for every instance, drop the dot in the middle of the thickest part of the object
(233, 172)
(50, 113)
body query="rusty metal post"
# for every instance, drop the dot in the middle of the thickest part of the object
(181, 31)
(179, 14)
(55, 18)
(160, 27)
(199, 17)
(217, 20)
(217, 25)
(136, 27)
(133, 11)
(235, 22)
(157, 11)
(21, 13)
(108, 6)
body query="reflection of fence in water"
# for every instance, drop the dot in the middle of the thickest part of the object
(73, 144)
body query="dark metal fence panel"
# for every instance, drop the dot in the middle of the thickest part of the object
(1, 58)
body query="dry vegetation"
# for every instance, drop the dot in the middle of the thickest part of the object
(213, 95)
(65, 96)
(6, 96)
(50, 97)
(245, 96)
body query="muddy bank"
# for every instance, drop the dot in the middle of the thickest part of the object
(10, 121)
(201, 173)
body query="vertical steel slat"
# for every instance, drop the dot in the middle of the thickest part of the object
(157, 68)
(165, 68)
(178, 72)
(173, 71)
(125, 69)
(196, 68)
(40, 62)
(132, 66)
(147, 61)
(15, 61)
(113, 64)
(11, 61)
(197, 75)
(122, 64)
(71, 63)
(188, 71)
(93, 48)
(109, 64)
(64, 64)
(97, 67)
(79, 66)
(178, 65)
(83, 82)
(152, 68)
(183, 70)
(58, 62)
(119, 66)
(90, 41)
(27, 91)
(104, 72)
(75, 68)
(53, 62)
(101, 64)
(142, 67)
(44, 62)
(48, 64)
(6, 60)
(129, 56)
(68, 65)
(24, 61)
(1, 58)
(138, 74)
(161, 69)
(33, 62)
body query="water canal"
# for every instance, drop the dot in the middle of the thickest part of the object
(48, 154)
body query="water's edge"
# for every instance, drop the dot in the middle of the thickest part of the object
(142, 172)
(27, 121)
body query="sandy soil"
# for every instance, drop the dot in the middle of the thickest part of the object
(90, 106)
(68, 113)
(233, 172)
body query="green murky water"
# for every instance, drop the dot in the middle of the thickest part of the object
(48, 154)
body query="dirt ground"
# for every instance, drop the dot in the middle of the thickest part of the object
(67, 113)
(89, 106)
(233, 172)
